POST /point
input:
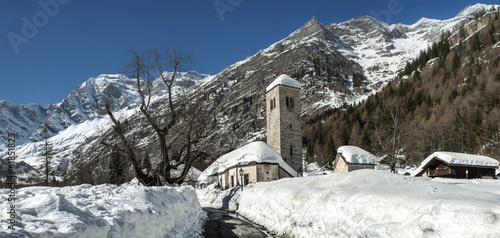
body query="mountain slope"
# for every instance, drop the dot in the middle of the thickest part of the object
(74, 121)
(445, 100)
(339, 65)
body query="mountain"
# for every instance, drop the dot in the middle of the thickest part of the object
(446, 99)
(76, 119)
(339, 65)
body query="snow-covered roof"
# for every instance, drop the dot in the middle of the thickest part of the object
(258, 152)
(284, 80)
(356, 155)
(457, 159)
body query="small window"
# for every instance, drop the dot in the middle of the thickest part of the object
(291, 151)
(291, 126)
(289, 101)
(272, 103)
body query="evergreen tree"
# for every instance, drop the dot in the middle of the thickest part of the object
(461, 32)
(46, 152)
(115, 168)
(330, 152)
(146, 163)
(475, 43)
(455, 64)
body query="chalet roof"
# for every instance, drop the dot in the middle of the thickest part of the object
(258, 152)
(284, 80)
(452, 158)
(356, 155)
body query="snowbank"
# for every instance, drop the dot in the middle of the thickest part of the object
(257, 151)
(104, 211)
(371, 203)
(356, 155)
(220, 199)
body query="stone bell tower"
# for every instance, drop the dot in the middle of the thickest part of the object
(284, 130)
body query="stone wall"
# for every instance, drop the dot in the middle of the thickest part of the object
(284, 130)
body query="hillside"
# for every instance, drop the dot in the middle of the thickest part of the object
(445, 100)
(339, 65)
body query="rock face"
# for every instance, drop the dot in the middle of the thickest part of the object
(337, 64)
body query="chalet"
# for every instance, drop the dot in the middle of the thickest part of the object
(254, 162)
(350, 158)
(457, 165)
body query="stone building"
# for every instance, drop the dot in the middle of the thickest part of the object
(252, 163)
(284, 130)
(350, 158)
(280, 158)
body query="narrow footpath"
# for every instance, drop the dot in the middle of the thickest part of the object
(222, 224)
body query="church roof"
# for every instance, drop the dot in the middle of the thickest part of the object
(284, 80)
(257, 151)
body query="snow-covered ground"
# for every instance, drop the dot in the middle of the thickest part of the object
(104, 211)
(220, 199)
(370, 203)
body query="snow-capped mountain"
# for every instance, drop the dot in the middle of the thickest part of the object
(383, 50)
(338, 64)
(76, 119)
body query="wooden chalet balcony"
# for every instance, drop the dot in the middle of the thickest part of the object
(441, 172)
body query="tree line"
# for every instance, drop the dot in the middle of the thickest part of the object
(446, 99)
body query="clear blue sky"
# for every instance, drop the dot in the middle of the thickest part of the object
(80, 39)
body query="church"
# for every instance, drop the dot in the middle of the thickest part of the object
(280, 157)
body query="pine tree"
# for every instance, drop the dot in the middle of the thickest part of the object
(461, 32)
(146, 163)
(455, 62)
(115, 168)
(330, 151)
(475, 43)
(46, 152)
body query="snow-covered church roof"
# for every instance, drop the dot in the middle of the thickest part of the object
(457, 159)
(258, 152)
(356, 155)
(284, 80)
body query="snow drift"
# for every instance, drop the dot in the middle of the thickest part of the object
(219, 199)
(104, 211)
(371, 203)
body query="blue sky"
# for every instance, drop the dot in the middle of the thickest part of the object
(49, 47)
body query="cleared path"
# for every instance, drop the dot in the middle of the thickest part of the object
(223, 224)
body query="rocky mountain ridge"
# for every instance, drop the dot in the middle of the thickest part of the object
(339, 64)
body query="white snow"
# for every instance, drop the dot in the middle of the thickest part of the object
(356, 155)
(219, 199)
(371, 203)
(257, 151)
(458, 159)
(284, 80)
(104, 211)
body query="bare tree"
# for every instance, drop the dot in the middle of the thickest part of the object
(178, 127)
(390, 138)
